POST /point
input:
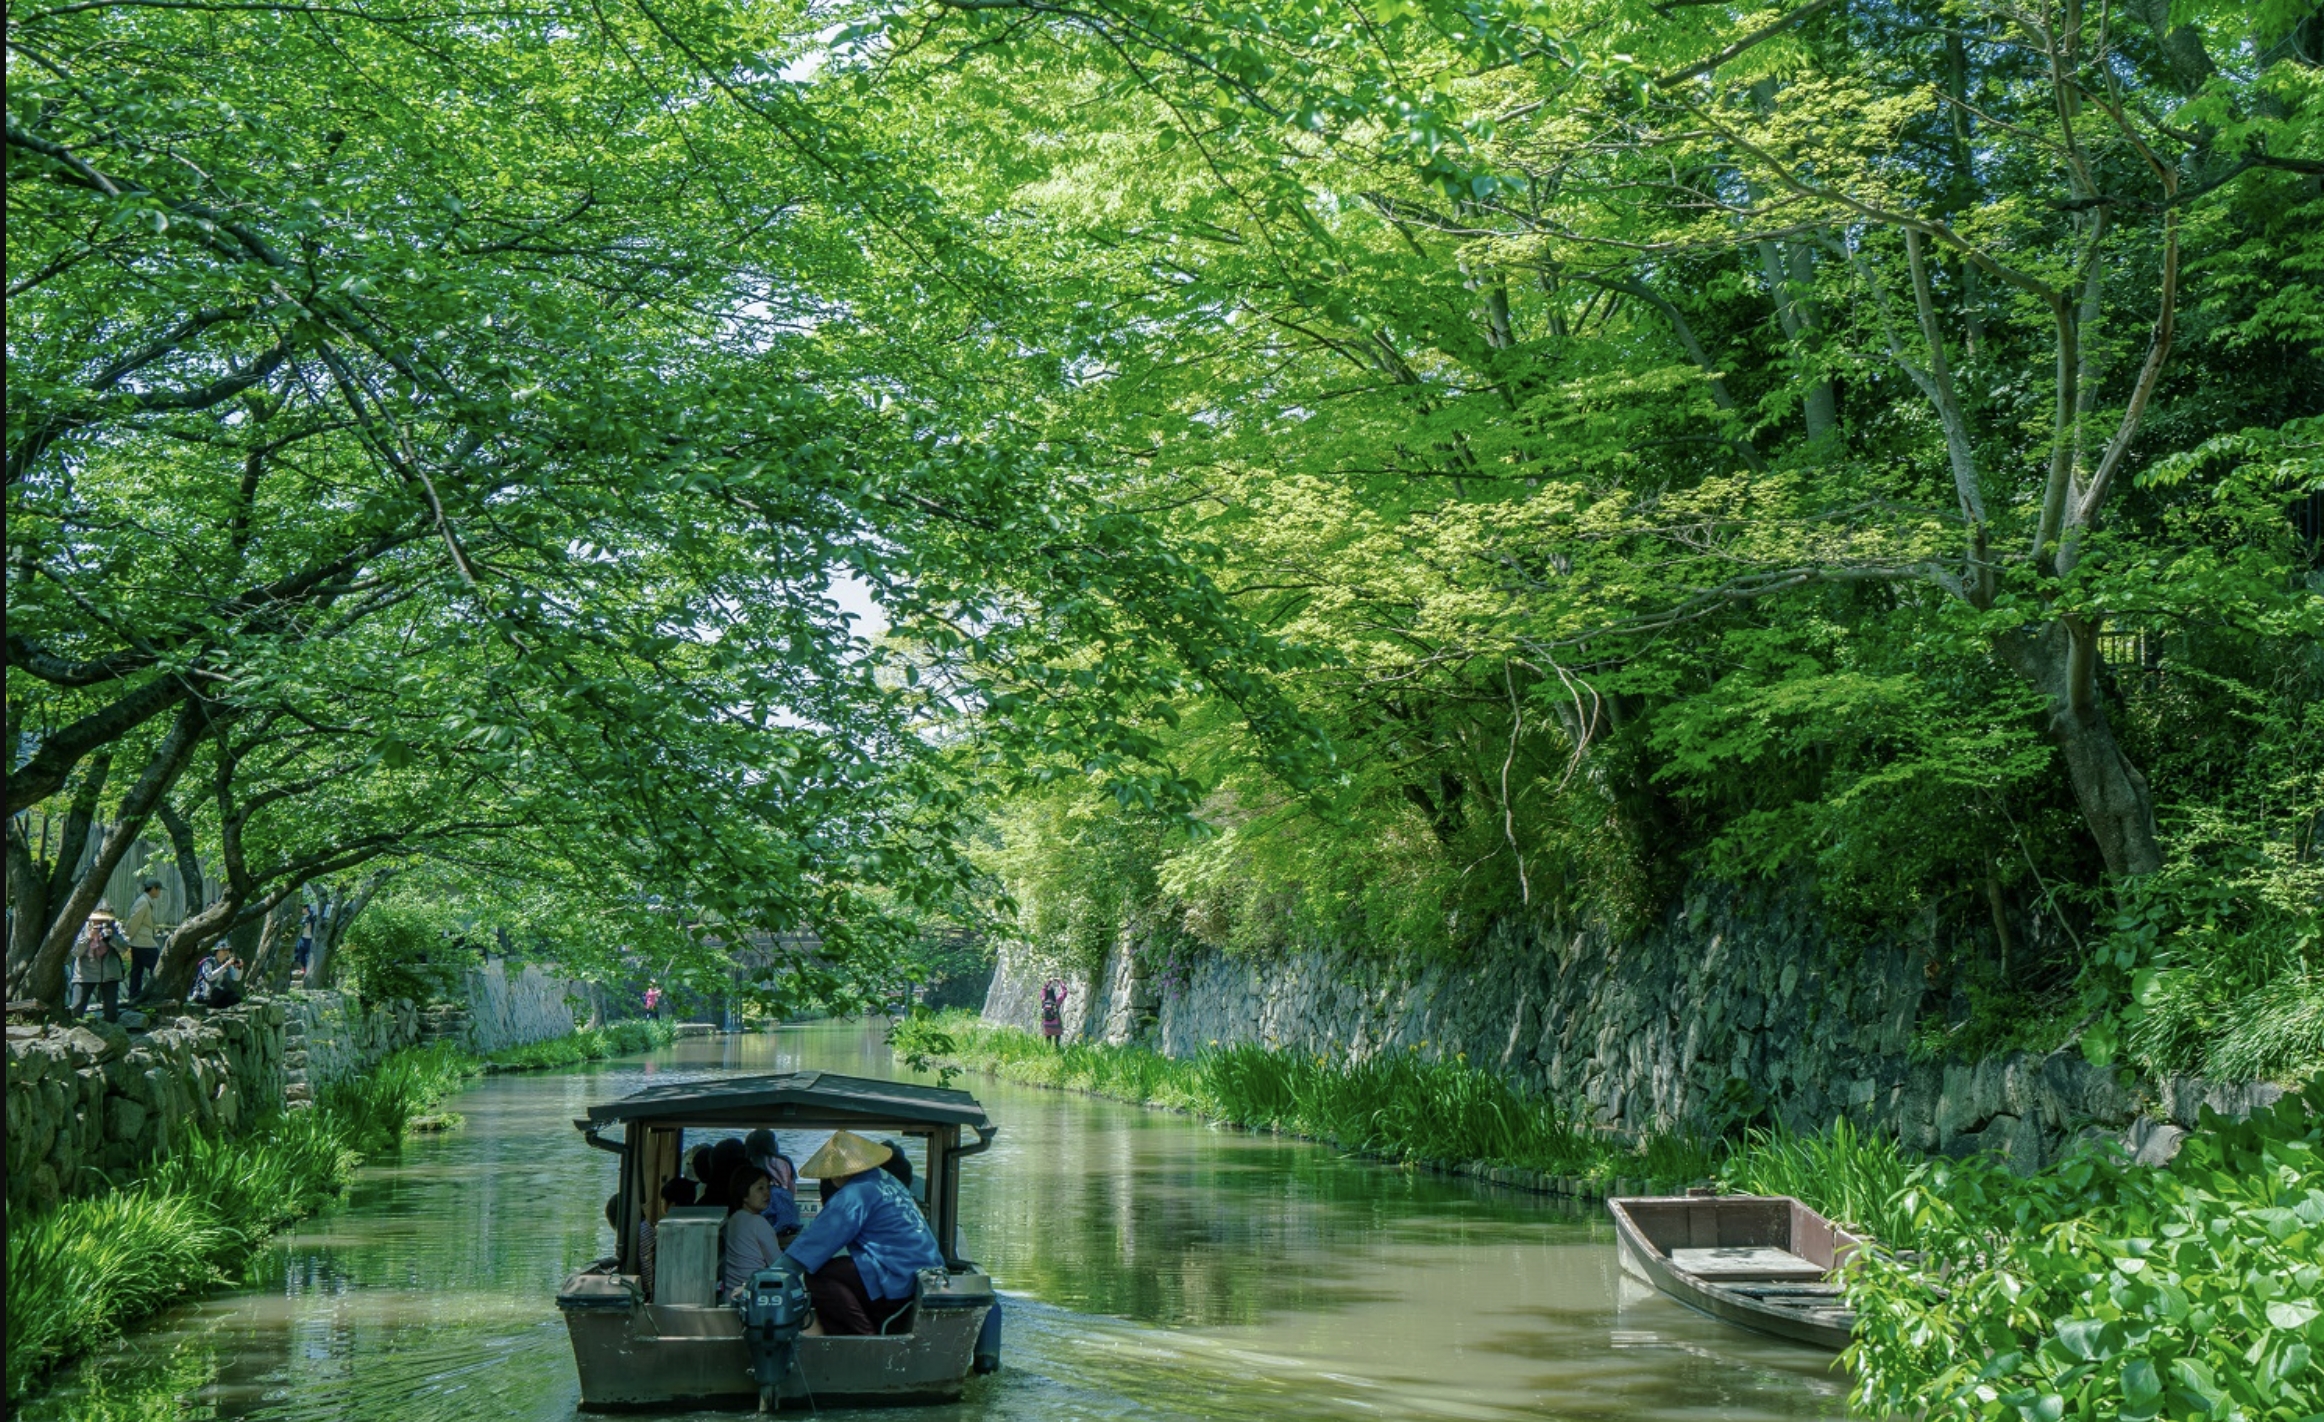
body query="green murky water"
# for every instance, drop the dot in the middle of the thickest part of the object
(1154, 1269)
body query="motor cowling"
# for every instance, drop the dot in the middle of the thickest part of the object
(774, 1308)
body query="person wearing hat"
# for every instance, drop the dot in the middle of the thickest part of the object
(870, 1215)
(97, 968)
(144, 942)
(763, 1150)
(218, 981)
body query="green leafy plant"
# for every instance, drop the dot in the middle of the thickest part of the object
(2105, 1290)
(1397, 1105)
(588, 1044)
(81, 1272)
(1852, 1176)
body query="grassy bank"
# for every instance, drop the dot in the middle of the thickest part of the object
(2093, 1290)
(1396, 1105)
(81, 1272)
(590, 1044)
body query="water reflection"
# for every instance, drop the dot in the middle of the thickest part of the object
(1156, 1269)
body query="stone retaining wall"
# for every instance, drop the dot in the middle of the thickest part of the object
(508, 1012)
(330, 1037)
(92, 1100)
(1724, 1009)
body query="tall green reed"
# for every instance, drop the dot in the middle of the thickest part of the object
(1852, 1176)
(82, 1271)
(589, 1044)
(1400, 1105)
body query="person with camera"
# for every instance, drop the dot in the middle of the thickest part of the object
(218, 982)
(98, 967)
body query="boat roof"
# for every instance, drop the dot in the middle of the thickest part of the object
(822, 1096)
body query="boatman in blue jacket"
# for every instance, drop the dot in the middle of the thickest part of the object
(871, 1216)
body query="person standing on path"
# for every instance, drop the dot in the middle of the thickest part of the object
(1053, 1012)
(97, 968)
(144, 946)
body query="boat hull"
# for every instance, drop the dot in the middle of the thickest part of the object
(635, 1356)
(1648, 1228)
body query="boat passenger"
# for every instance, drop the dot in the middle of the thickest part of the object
(698, 1166)
(869, 1214)
(899, 1164)
(747, 1241)
(765, 1151)
(726, 1157)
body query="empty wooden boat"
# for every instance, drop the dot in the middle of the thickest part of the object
(1763, 1262)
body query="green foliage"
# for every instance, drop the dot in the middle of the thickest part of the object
(1849, 1176)
(80, 1273)
(919, 1040)
(1398, 1105)
(2099, 1289)
(1682, 501)
(588, 1044)
(409, 946)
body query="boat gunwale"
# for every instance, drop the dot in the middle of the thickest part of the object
(1721, 1300)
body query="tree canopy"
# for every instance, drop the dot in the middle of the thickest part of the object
(1482, 460)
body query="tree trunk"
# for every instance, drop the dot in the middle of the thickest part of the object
(272, 959)
(332, 923)
(44, 976)
(2114, 797)
(27, 898)
(79, 816)
(321, 961)
(181, 841)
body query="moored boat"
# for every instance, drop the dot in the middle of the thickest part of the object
(683, 1349)
(1763, 1262)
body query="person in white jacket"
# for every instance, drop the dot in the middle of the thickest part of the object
(144, 937)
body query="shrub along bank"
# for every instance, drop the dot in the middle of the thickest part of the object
(2093, 1289)
(589, 1044)
(81, 1272)
(1397, 1106)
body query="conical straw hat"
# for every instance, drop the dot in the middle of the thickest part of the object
(845, 1154)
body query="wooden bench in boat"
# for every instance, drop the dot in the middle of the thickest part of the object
(1747, 1263)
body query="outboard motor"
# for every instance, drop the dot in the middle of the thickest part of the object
(774, 1308)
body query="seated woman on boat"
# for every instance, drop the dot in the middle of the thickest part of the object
(871, 1216)
(747, 1240)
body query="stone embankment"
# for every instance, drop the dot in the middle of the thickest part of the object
(330, 1037)
(505, 1011)
(91, 1102)
(1723, 1010)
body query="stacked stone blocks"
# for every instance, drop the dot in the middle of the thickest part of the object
(1726, 1006)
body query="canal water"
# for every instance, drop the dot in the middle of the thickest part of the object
(1155, 1269)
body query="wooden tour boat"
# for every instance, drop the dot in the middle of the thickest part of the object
(680, 1349)
(1764, 1262)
